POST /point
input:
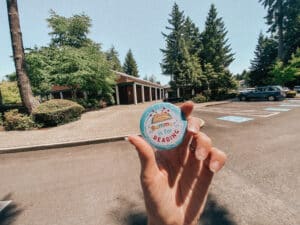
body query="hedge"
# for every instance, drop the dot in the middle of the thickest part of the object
(56, 112)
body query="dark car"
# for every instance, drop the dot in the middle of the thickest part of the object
(270, 93)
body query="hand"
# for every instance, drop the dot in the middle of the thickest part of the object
(175, 182)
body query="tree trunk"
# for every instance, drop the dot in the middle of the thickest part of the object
(27, 97)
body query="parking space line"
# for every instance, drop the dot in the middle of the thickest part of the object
(235, 119)
(239, 112)
(277, 109)
(289, 105)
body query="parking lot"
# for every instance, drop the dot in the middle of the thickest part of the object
(99, 184)
(249, 110)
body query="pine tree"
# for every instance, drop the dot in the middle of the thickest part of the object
(112, 57)
(284, 21)
(192, 37)
(171, 57)
(215, 50)
(130, 65)
(292, 29)
(265, 58)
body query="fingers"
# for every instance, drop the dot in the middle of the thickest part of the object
(193, 128)
(146, 155)
(202, 145)
(187, 108)
(217, 160)
(213, 158)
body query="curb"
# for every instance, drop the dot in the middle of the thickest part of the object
(69, 144)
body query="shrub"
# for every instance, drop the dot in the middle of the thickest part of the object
(199, 98)
(89, 103)
(13, 120)
(56, 112)
(10, 93)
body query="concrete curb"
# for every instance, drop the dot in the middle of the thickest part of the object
(68, 144)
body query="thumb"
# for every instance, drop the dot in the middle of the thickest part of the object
(147, 157)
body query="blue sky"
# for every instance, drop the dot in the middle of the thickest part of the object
(136, 24)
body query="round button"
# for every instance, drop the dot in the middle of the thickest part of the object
(163, 125)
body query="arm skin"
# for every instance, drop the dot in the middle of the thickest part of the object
(175, 183)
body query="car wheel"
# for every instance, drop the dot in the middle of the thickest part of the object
(271, 98)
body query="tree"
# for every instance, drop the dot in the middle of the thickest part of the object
(288, 75)
(171, 57)
(191, 36)
(112, 57)
(283, 19)
(84, 69)
(263, 62)
(292, 29)
(11, 77)
(130, 65)
(215, 49)
(27, 97)
(188, 73)
(70, 31)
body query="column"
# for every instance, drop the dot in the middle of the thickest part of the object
(117, 95)
(150, 93)
(134, 94)
(178, 93)
(159, 96)
(61, 95)
(85, 95)
(193, 92)
(155, 94)
(143, 93)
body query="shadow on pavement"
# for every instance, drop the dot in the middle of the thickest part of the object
(10, 213)
(130, 213)
(214, 214)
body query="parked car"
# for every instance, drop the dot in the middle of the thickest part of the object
(289, 93)
(297, 89)
(270, 93)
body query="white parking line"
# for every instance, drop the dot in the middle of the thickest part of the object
(235, 119)
(277, 109)
(4, 204)
(289, 105)
(245, 112)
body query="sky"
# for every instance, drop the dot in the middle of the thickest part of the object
(136, 24)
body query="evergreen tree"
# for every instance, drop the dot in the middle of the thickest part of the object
(191, 36)
(112, 57)
(171, 54)
(215, 50)
(130, 65)
(292, 29)
(283, 17)
(265, 58)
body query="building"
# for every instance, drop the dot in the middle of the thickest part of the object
(133, 90)
(128, 90)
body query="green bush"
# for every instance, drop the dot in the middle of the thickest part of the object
(89, 103)
(13, 120)
(10, 93)
(56, 112)
(199, 98)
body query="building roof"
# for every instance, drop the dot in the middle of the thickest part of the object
(56, 88)
(124, 78)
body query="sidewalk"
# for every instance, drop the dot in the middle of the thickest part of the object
(112, 123)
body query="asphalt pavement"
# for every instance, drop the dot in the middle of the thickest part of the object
(99, 184)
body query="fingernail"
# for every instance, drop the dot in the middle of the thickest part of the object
(126, 138)
(201, 153)
(215, 166)
(192, 128)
